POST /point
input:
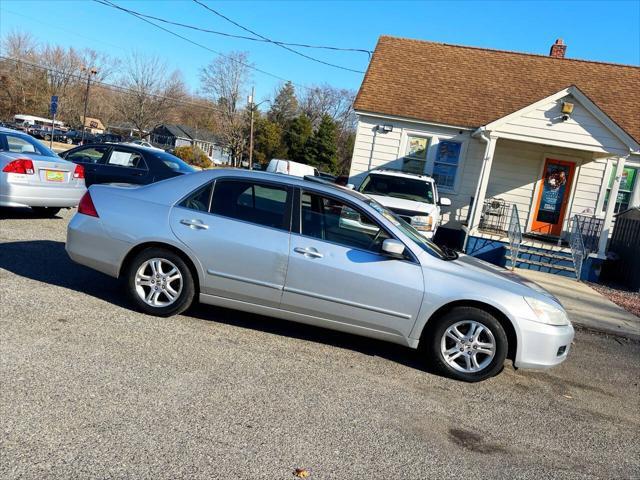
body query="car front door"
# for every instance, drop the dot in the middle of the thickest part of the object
(91, 158)
(337, 271)
(124, 165)
(239, 229)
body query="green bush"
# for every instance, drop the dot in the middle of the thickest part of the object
(193, 156)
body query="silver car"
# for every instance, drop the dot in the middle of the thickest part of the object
(33, 176)
(311, 252)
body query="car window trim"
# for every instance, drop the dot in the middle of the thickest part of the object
(391, 235)
(210, 183)
(86, 147)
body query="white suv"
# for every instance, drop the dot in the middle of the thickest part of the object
(413, 197)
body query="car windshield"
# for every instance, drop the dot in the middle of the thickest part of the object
(398, 187)
(18, 143)
(174, 163)
(424, 243)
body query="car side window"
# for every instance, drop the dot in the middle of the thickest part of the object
(123, 158)
(257, 203)
(200, 200)
(87, 155)
(328, 219)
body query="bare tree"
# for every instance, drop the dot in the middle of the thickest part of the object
(21, 87)
(323, 100)
(151, 92)
(225, 81)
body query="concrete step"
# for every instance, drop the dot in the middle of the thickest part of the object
(544, 253)
(551, 266)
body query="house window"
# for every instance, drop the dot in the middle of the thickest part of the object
(446, 163)
(415, 158)
(627, 182)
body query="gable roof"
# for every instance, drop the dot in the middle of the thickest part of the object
(471, 87)
(184, 131)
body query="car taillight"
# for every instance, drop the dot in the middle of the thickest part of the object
(86, 206)
(78, 172)
(20, 165)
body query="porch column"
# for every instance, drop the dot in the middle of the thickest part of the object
(483, 182)
(608, 217)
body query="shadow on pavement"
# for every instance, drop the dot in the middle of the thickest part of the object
(47, 261)
(22, 214)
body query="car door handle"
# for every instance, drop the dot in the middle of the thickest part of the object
(308, 252)
(195, 224)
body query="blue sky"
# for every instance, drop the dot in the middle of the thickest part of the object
(605, 31)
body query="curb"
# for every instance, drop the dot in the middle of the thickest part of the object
(630, 336)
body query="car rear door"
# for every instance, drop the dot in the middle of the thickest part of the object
(239, 229)
(91, 157)
(124, 165)
(336, 270)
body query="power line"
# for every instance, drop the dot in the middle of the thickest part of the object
(279, 44)
(247, 65)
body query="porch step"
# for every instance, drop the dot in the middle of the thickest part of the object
(551, 266)
(543, 253)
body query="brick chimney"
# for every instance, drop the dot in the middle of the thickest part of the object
(558, 49)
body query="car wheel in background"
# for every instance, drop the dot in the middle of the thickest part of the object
(69, 141)
(48, 212)
(159, 282)
(467, 344)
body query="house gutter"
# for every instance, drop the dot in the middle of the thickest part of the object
(482, 134)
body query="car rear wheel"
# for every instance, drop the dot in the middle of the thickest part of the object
(160, 283)
(468, 344)
(48, 212)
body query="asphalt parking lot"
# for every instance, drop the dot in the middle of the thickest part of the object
(92, 389)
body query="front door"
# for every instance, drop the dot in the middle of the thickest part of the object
(553, 195)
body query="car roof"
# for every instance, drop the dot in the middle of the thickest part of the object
(399, 173)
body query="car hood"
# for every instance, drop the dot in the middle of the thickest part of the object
(486, 273)
(403, 204)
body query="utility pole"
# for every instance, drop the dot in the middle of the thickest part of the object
(252, 108)
(90, 71)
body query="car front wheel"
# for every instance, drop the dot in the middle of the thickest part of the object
(468, 344)
(160, 283)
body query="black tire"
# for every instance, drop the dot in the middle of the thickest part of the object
(46, 212)
(186, 293)
(47, 137)
(69, 141)
(434, 337)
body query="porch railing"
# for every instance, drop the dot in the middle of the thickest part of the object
(515, 235)
(590, 227)
(576, 243)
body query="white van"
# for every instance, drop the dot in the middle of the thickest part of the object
(289, 167)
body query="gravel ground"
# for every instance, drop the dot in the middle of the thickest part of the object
(91, 389)
(626, 299)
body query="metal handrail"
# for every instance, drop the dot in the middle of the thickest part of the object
(576, 243)
(515, 235)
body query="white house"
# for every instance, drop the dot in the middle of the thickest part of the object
(522, 144)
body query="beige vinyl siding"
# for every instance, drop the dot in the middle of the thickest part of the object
(581, 131)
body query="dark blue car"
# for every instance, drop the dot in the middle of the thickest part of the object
(124, 163)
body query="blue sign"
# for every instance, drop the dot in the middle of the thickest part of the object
(53, 108)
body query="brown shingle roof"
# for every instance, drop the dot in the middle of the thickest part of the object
(470, 87)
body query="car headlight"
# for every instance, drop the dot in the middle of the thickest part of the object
(422, 223)
(547, 313)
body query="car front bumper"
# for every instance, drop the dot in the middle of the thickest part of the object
(542, 346)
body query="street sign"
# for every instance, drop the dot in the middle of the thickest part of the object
(53, 108)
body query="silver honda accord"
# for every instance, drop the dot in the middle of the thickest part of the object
(311, 252)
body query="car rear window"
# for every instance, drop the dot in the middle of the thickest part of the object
(173, 162)
(398, 187)
(18, 143)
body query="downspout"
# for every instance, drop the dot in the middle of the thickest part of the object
(481, 133)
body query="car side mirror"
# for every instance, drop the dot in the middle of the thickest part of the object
(350, 186)
(393, 247)
(445, 202)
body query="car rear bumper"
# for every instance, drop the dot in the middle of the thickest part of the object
(542, 346)
(88, 244)
(17, 195)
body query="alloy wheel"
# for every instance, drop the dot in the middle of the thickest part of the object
(468, 346)
(158, 282)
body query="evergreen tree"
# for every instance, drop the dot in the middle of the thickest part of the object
(296, 137)
(285, 106)
(321, 150)
(268, 141)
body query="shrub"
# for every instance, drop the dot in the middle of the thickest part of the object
(193, 156)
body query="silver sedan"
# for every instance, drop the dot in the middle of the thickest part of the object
(33, 176)
(311, 252)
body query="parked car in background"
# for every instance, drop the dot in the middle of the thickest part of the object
(413, 197)
(289, 167)
(125, 163)
(108, 137)
(314, 253)
(144, 143)
(33, 176)
(257, 166)
(75, 137)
